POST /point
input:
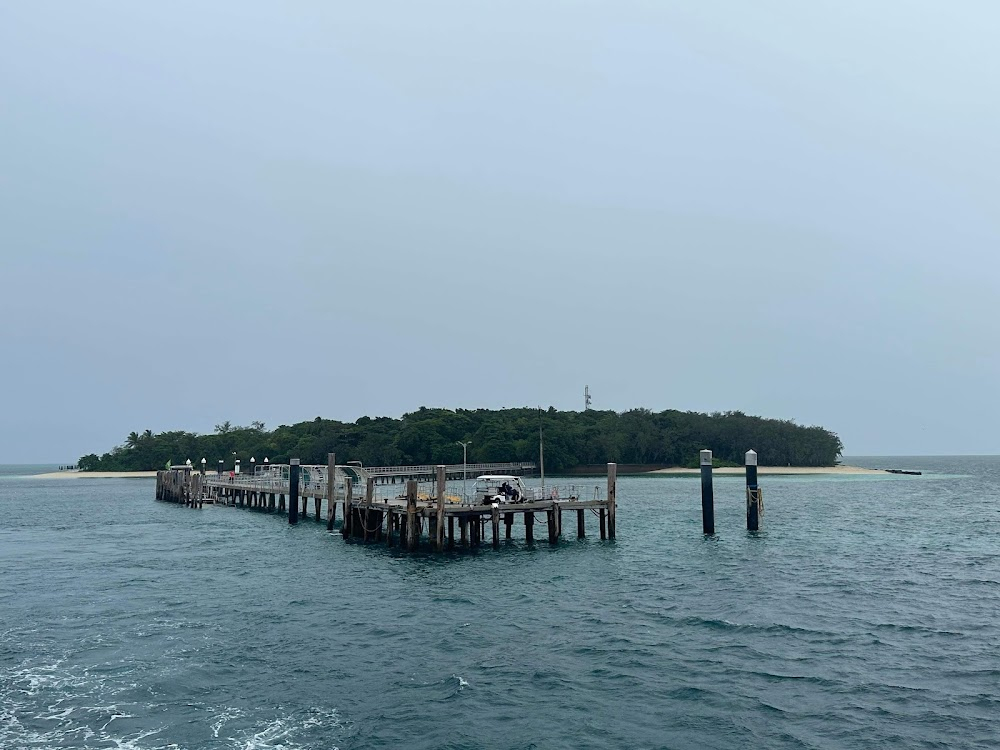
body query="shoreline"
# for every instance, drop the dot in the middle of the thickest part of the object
(776, 470)
(721, 471)
(93, 475)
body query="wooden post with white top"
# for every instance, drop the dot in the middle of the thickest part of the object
(755, 497)
(707, 496)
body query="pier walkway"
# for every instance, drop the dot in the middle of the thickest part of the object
(413, 516)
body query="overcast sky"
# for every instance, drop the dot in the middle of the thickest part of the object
(276, 211)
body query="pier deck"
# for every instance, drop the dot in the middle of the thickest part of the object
(374, 512)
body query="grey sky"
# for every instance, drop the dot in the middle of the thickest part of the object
(275, 211)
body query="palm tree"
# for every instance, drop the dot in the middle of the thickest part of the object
(132, 441)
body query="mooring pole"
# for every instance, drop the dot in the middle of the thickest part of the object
(331, 490)
(293, 491)
(369, 498)
(412, 529)
(439, 528)
(755, 500)
(612, 498)
(707, 498)
(347, 529)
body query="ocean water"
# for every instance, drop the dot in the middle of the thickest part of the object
(864, 615)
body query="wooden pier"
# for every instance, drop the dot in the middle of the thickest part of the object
(411, 517)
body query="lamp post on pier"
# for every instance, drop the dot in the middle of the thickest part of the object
(465, 464)
(253, 466)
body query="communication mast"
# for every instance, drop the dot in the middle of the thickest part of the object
(586, 398)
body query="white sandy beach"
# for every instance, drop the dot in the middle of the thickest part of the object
(778, 470)
(95, 475)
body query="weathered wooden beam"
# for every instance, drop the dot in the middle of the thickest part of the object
(293, 491)
(331, 490)
(439, 525)
(412, 528)
(612, 497)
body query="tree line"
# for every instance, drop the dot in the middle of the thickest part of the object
(573, 439)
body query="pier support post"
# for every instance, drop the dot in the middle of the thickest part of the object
(612, 498)
(318, 506)
(281, 503)
(604, 526)
(707, 497)
(529, 527)
(553, 534)
(451, 532)
(369, 496)
(347, 529)
(412, 529)
(331, 490)
(508, 521)
(293, 491)
(580, 524)
(496, 525)
(755, 498)
(439, 527)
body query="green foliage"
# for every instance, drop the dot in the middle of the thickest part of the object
(572, 439)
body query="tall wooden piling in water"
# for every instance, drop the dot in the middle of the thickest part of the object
(293, 491)
(331, 490)
(412, 522)
(707, 497)
(439, 526)
(755, 497)
(612, 497)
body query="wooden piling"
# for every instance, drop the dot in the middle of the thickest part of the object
(496, 526)
(604, 528)
(346, 529)
(529, 527)
(439, 526)
(707, 496)
(451, 532)
(580, 524)
(551, 514)
(612, 497)
(331, 490)
(412, 529)
(293, 491)
(369, 496)
(755, 497)
(508, 521)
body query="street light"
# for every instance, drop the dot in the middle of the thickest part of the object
(465, 464)
(253, 466)
(203, 462)
(236, 462)
(221, 465)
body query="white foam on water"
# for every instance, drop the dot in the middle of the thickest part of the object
(462, 683)
(281, 733)
(226, 715)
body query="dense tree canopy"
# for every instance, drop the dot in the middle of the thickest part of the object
(572, 439)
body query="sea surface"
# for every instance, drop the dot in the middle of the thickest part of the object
(864, 615)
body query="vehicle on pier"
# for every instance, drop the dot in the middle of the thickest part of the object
(500, 488)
